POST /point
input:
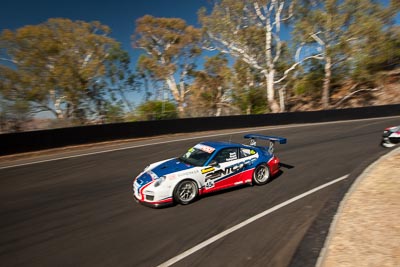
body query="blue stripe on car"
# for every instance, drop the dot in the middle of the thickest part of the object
(170, 166)
(142, 180)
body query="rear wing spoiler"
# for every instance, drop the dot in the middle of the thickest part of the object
(272, 139)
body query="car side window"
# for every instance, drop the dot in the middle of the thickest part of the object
(246, 152)
(226, 154)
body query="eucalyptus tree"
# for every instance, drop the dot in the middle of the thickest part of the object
(374, 38)
(248, 94)
(210, 91)
(343, 32)
(252, 30)
(171, 47)
(14, 115)
(157, 110)
(61, 66)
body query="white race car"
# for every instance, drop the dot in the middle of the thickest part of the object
(205, 168)
(391, 136)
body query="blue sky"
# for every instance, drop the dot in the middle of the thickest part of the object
(119, 15)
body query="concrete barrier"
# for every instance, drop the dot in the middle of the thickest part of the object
(12, 143)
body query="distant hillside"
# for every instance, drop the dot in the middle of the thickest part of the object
(385, 91)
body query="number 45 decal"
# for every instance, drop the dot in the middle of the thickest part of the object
(209, 183)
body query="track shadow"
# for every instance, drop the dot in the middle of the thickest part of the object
(287, 166)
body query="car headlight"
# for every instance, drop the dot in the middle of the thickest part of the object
(159, 181)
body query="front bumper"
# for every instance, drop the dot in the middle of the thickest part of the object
(389, 139)
(158, 204)
(386, 142)
(151, 197)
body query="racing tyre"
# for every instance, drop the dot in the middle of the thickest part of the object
(185, 192)
(261, 175)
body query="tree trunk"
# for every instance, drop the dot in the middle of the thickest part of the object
(282, 93)
(272, 103)
(219, 100)
(270, 72)
(58, 110)
(219, 110)
(327, 82)
(175, 93)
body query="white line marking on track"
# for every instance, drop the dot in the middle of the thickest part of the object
(130, 147)
(244, 223)
(190, 138)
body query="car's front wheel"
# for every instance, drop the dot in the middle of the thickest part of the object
(261, 174)
(387, 144)
(185, 192)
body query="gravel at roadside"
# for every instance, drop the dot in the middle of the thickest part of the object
(366, 229)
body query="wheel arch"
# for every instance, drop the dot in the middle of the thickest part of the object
(175, 184)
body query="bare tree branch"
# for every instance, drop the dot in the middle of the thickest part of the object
(258, 11)
(238, 52)
(317, 39)
(9, 60)
(285, 74)
(355, 92)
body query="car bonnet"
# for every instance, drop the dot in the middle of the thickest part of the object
(170, 166)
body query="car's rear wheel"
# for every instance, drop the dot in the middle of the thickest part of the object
(261, 174)
(185, 192)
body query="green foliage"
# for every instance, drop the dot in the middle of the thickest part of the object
(210, 90)
(119, 78)
(249, 94)
(157, 110)
(251, 100)
(251, 31)
(113, 113)
(381, 53)
(69, 68)
(171, 47)
(311, 82)
(14, 115)
(352, 34)
(257, 101)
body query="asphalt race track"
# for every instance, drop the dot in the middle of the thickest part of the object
(79, 211)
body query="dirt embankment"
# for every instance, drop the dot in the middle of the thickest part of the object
(366, 229)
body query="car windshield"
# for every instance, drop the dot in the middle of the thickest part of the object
(197, 155)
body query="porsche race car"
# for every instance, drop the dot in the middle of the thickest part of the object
(205, 168)
(391, 136)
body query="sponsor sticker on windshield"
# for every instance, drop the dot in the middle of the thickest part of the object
(207, 149)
